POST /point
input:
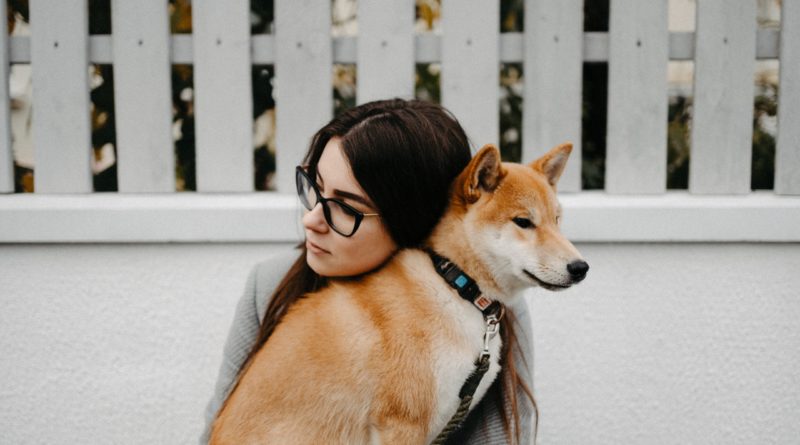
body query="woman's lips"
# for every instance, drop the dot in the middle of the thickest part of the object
(315, 248)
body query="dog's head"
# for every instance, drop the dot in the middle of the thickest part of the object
(511, 217)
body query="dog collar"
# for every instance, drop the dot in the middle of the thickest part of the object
(492, 311)
(466, 287)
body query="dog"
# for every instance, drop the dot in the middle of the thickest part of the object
(381, 358)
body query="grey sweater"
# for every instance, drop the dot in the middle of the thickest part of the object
(484, 424)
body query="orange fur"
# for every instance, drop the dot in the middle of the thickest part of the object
(362, 358)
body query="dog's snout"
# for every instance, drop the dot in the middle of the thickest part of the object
(578, 269)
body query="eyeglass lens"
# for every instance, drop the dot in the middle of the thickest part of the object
(340, 218)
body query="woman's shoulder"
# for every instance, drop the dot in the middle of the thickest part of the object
(267, 274)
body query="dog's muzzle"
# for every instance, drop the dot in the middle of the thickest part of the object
(577, 272)
(545, 284)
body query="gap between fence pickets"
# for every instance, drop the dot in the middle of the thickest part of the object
(273, 217)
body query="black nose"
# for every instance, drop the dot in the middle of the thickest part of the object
(578, 269)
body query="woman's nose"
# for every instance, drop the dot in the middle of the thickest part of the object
(314, 220)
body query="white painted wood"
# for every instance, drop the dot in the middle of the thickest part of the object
(636, 143)
(722, 127)
(181, 49)
(61, 122)
(595, 47)
(471, 67)
(787, 151)
(680, 217)
(188, 217)
(223, 95)
(305, 71)
(767, 43)
(142, 96)
(263, 49)
(303, 80)
(19, 50)
(681, 46)
(173, 217)
(6, 154)
(101, 49)
(344, 50)
(385, 50)
(427, 48)
(553, 76)
(511, 47)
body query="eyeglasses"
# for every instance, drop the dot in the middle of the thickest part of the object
(342, 218)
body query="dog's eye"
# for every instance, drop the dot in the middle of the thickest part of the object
(525, 223)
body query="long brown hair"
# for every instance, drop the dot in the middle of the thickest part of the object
(404, 154)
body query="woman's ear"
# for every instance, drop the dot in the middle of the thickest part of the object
(553, 162)
(483, 173)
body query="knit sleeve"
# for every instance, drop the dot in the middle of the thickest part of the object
(523, 358)
(261, 282)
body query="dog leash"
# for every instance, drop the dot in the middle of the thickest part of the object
(492, 311)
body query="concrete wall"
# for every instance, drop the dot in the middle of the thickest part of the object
(662, 344)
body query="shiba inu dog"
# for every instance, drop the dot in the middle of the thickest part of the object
(381, 358)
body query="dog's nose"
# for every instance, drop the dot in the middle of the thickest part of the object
(578, 269)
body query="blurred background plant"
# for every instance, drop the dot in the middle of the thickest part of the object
(427, 20)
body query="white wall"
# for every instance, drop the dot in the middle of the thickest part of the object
(662, 344)
(673, 344)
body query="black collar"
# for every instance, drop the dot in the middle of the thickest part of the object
(466, 287)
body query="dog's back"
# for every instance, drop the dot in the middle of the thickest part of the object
(358, 355)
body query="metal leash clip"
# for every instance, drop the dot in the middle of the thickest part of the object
(492, 326)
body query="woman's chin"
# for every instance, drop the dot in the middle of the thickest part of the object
(316, 264)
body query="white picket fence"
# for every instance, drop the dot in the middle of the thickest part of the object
(635, 205)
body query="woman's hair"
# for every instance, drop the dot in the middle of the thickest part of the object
(404, 154)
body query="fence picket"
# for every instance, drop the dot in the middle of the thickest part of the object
(6, 156)
(142, 91)
(470, 66)
(223, 96)
(636, 142)
(787, 151)
(722, 128)
(61, 124)
(553, 63)
(385, 50)
(303, 78)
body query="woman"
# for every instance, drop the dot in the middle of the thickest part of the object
(383, 170)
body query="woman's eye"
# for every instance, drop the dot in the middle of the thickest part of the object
(524, 223)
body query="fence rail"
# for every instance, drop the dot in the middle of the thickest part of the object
(427, 48)
(552, 48)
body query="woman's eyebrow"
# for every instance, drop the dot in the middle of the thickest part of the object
(354, 197)
(343, 194)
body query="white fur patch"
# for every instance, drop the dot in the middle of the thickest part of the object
(454, 358)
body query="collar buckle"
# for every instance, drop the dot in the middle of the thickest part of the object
(466, 287)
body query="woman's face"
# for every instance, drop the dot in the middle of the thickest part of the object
(329, 253)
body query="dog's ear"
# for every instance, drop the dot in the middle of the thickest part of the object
(553, 162)
(483, 173)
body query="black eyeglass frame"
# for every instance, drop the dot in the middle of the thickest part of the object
(300, 175)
